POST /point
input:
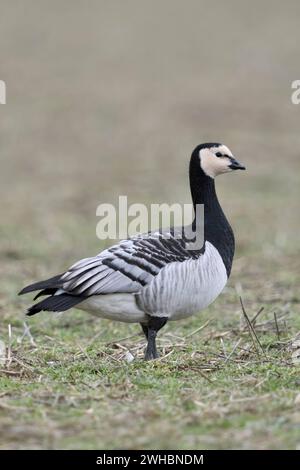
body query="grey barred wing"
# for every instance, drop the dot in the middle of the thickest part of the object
(125, 267)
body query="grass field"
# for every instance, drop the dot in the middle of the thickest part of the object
(110, 99)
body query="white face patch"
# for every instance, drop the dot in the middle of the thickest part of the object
(212, 165)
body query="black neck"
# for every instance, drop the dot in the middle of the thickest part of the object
(217, 229)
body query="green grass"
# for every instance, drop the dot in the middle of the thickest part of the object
(210, 389)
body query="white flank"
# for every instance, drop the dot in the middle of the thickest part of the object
(180, 289)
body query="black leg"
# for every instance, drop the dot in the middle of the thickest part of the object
(145, 329)
(154, 325)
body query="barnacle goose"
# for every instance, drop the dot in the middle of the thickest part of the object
(151, 278)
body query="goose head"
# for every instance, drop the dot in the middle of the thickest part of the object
(216, 159)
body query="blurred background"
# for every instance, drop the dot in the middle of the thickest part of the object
(109, 98)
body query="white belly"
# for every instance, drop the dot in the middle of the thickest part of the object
(119, 307)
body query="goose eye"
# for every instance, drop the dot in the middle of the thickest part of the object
(218, 154)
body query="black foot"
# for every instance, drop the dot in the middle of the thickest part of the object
(151, 351)
(149, 356)
(145, 329)
(150, 330)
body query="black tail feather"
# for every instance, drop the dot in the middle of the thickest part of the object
(53, 282)
(50, 291)
(55, 303)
